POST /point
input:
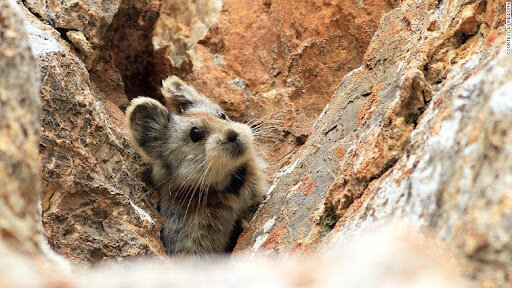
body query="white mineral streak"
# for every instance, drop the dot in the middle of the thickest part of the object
(42, 42)
(142, 214)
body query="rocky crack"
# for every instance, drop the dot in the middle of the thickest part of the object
(132, 51)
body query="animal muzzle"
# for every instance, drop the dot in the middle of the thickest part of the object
(234, 144)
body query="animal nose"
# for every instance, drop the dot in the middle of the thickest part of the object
(232, 136)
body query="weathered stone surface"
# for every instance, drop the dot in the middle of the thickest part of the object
(82, 154)
(90, 19)
(94, 202)
(19, 134)
(21, 234)
(206, 43)
(263, 60)
(399, 259)
(421, 131)
(112, 38)
(212, 45)
(456, 175)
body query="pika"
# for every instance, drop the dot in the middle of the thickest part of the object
(204, 165)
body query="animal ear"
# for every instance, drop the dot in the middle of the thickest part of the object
(182, 96)
(148, 123)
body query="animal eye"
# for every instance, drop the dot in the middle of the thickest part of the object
(196, 134)
(222, 115)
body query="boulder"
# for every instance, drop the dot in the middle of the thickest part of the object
(419, 131)
(95, 204)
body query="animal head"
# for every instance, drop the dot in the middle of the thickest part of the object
(198, 143)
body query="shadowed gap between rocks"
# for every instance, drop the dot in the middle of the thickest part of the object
(141, 67)
(134, 56)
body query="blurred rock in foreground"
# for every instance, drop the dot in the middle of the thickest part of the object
(387, 257)
(20, 109)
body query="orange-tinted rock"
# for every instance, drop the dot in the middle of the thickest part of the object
(433, 149)
(340, 151)
(258, 60)
(112, 52)
(95, 204)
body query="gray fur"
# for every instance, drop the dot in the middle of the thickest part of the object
(185, 98)
(207, 187)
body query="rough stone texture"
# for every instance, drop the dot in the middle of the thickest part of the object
(112, 38)
(422, 131)
(79, 181)
(19, 131)
(263, 60)
(94, 202)
(101, 54)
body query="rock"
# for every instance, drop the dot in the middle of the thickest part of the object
(417, 132)
(19, 135)
(112, 38)
(401, 260)
(21, 233)
(293, 75)
(181, 25)
(93, 44)
(90, 177)
(95, 204)
(263, 63)
(90, 19)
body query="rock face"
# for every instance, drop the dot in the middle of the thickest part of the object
(260, 61)
(94, 202)
(111, 38)
(419, 131)
(94, 57)
(19, 134)
(401, 260)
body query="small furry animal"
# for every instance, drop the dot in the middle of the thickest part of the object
(204, 165)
